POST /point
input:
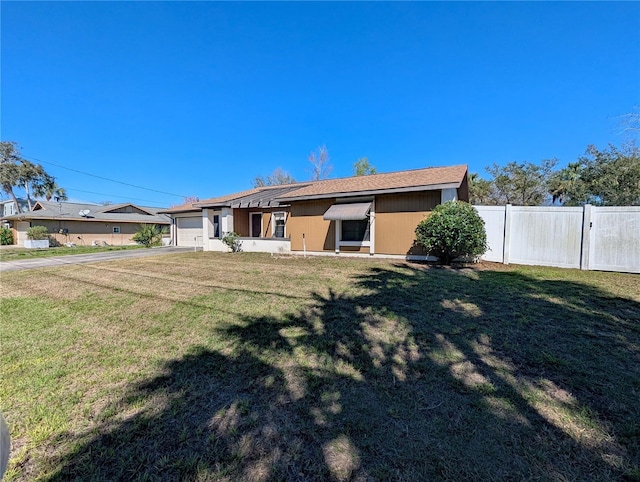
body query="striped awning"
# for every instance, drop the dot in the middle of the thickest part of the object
(347, 212)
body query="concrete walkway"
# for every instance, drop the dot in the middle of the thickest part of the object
(15, 265)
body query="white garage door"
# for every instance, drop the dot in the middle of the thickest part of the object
(189, 231)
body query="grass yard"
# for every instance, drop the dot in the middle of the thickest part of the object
(246, 367)
(12, 253)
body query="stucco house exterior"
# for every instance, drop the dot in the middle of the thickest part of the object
(374, 215)
(85, 224)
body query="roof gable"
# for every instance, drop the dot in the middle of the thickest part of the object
(126, 208)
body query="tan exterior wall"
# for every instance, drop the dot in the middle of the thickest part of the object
(397, 216)
(355, 249)
(306, 217)
(241, 222)
(86, 232)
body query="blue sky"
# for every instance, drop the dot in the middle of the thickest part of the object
(198, 98)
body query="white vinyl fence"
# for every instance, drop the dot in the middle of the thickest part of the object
(589, 237)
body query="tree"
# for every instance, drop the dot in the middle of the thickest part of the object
(452, 230)
(480, 190)
(32, 176)
(10, 162)
(629, 124)
(48, 189)
(521, 184)
(566, 186)
(15, 171)
(362, 167)
(276, 178)
(320, 167)
(608, 177)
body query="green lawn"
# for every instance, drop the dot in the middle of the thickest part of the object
(16, 253)
(243, 367)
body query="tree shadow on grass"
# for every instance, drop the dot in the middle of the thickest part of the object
(414, 373)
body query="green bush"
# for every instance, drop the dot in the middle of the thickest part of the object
(452, 230)
(149, 235)
(6, 236)
(37, 232)
(231, 240)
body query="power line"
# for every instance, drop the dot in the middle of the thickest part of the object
(105, 178)
(111, 195)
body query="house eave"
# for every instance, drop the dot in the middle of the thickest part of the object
(82, 219)
(374, 192)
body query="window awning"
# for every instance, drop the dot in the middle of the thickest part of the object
(347, 212)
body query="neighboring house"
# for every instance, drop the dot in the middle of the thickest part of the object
(368, 215)
(8, 207)
(86, 224)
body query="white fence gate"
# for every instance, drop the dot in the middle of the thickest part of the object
(589, 237)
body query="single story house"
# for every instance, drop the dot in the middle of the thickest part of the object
(366, 215)
(85, 224)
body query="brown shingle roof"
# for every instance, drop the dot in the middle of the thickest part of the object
(429, 178)
(434, 177)
(182, 208)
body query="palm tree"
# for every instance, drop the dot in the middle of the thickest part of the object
(564, 186)
(49, 189)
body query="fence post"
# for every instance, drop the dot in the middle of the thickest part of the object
(586, 236)
(507, 234)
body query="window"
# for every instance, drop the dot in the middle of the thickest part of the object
(116, 230)
(216, 225)
(278, 224)
(357, 231)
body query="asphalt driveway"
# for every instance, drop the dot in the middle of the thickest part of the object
(15, 265)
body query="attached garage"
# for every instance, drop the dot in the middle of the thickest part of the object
(189, 231)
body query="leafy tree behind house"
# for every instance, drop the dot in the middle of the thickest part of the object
(320, 167)
(522, 184)
(17, 172)
(10, 162)
(362, 167)
(48, 189)
(480, 190)
(276, 178)
(608, 177)
(518, 183)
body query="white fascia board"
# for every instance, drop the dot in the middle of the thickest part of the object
(430, 187)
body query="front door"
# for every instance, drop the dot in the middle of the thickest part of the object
(256, 225)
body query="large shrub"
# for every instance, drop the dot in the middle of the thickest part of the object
(37, 233)
(452, 230)
(149, 235)
(6, 236)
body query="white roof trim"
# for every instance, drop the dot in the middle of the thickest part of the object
(430, 187)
